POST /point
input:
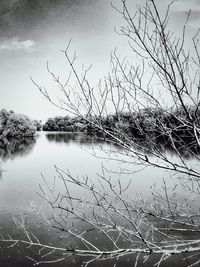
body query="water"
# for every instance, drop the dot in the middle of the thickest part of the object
(24, 164)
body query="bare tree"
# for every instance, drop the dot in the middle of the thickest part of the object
(142, 125)
(127, 89)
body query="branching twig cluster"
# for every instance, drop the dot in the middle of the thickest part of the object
(107, 224)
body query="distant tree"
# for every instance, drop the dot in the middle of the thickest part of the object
(15, 125)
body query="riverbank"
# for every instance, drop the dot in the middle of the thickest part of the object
(155, 125)
(149, 128)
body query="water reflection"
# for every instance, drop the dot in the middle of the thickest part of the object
(80, 138)
(22, 177)
(187, 149)
(162, 145)
(12, 148)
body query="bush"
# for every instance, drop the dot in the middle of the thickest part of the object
(15, 125)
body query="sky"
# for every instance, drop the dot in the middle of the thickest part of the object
(33, 32)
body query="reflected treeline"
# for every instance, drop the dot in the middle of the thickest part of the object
(184, 147)
(12, 147)
(80, 138)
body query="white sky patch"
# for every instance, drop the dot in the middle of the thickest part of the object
(185, 5)
(14, 45)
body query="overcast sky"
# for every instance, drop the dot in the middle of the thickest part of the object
(32, 32)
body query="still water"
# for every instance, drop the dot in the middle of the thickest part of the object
(24, 164)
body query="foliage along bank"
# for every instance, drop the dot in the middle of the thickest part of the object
(146, 124)
(15, 125)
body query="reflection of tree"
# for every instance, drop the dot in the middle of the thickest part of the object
(80, 138)
(11, 148)
(162, 144)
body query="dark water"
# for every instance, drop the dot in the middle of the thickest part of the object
(22, 165)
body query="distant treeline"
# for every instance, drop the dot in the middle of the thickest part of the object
(146, 124)
(137, 123)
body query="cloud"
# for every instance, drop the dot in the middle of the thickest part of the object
(14, 45)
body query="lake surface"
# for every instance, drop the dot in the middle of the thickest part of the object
(24, 165)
